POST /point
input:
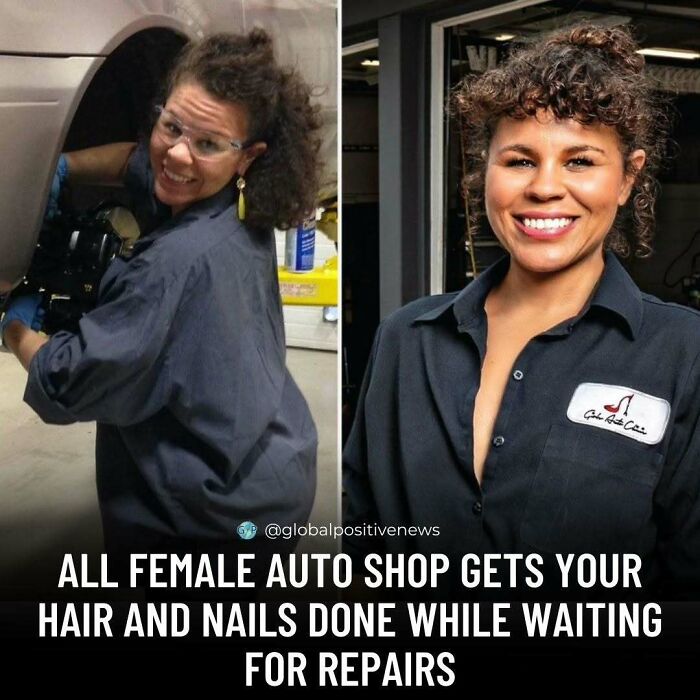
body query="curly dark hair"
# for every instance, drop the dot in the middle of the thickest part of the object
(281, 184)
(587, 73)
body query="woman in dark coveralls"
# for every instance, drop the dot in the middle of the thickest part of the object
(200, 426)
(550, 407)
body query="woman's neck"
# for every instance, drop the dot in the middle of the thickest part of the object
(553, 297)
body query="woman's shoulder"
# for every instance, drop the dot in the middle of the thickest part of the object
(180, 243)
(678, 321)
(193, 255)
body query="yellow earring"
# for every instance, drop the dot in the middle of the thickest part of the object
(240, 183)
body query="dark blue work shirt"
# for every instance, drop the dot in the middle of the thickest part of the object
(595, 449)
(182, 364)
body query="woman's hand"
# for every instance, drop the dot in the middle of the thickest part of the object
(23, 317)
(59, 178)
(101, 165)
(26, 309)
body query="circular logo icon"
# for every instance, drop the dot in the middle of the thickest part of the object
(247, 530)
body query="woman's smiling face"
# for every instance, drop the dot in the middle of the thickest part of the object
(182, 179)
(552, 190)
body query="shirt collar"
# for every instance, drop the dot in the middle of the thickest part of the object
(619, 294)
(468, 305)
(616, 293)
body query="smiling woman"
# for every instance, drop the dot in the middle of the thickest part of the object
(200, 426)
(550, 407)
(557, 182)
(594, 81)
(193, 163)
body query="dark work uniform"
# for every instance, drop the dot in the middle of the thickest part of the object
(182, 364)
(595, 449)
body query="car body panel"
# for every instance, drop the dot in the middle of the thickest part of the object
(37, 101)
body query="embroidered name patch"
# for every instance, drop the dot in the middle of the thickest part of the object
(621, 410)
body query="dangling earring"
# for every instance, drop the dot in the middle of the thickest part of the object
(240, 183)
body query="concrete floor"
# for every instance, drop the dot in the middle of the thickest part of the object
(48, 501)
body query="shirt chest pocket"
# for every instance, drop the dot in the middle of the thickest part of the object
(592, 492)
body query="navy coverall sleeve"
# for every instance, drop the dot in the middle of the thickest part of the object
(115, 368)
(678, 500)
(361, 508)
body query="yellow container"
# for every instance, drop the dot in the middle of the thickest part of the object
(316, 288)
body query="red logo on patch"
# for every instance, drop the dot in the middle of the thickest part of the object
(615, 408)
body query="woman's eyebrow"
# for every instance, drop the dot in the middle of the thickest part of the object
(206, 132)
(519, 147)
(522, 148)
(583, 147)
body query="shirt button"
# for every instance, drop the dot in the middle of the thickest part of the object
(477, 508)
(518, 375)
(498, 441)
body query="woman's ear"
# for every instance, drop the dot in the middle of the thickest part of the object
(250, 153)
(635, 163)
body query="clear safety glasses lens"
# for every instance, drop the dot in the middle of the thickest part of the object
(203, 145)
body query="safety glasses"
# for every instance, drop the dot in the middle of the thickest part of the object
(203, 145)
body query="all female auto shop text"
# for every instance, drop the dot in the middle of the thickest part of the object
(353, 622)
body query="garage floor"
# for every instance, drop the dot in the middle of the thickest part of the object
(48, 503)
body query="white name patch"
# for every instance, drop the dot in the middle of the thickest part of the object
(621, 410)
